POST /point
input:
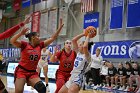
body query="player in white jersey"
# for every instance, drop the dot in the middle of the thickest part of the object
(43, 63)
(74, 83)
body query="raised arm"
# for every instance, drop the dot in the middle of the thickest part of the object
(12, 30)
(54, 36)
(74, 41)
(85, 46)
(53, 58)
(14, 40)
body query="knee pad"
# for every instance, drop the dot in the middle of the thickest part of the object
(40, 87)
(1, 85)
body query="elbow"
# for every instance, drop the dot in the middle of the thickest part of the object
(11, 41)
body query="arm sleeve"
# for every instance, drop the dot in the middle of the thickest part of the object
(10, 31)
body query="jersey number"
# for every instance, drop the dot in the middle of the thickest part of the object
(67, 65)
(33, 57)
(76, 63)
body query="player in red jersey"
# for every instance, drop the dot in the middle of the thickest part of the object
(66, 58)
(7, 34)
(30, 54)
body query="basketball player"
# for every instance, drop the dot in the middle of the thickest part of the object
(66, 58)
(43, 63)
(30, 54)
(7, 34)
(74, 84)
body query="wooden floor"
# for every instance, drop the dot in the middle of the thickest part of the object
(8, 81)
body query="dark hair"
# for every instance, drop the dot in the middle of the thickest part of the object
(29, 35)
(128, 63)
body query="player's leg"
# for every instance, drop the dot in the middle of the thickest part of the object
(60, 81)
(19, 85)
(39, 68)
(45, 72)
(36, 82)
(74, 88)
(63, 89)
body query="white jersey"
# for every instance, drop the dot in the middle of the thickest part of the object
(80, 63)
(96, 62)
(44, 56)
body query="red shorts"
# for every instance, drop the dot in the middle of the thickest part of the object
(20, 73)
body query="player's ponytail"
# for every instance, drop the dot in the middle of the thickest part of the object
(29, 35)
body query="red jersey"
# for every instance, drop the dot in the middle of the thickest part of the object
(30, 55)
(66, 60)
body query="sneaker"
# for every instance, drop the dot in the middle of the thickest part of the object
(126, 89)
(92, 85)
(95, 87)
(115, 87)
(122, 88)
(103, 86)
(48, 89)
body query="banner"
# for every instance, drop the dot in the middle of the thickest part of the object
(118, 49)
(11, 67)
(91, 19)
(116, 16)
(36, 21)
(25, 3)
(35, 1)
(10, 52)
(44, 25)
(52, 22)
(8, 8)
(133, 14)
(51, 71)
(16, 5)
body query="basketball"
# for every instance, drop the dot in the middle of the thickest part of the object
(92, 30)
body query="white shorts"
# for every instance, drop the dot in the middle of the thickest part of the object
(76, 78)
(41, 64)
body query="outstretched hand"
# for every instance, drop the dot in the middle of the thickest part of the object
(56, 49)
(27, 20)
(24, 31)
(61, 24)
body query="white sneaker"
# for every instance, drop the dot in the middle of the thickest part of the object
(47, 89)
(115, 87)
(92, 85)
(122, 88)
(126, 89)
(95, 87)
(103, 86)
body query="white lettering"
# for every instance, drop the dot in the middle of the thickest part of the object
(123, 50)
(105, 50)
(91, 20)
(115, 50)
